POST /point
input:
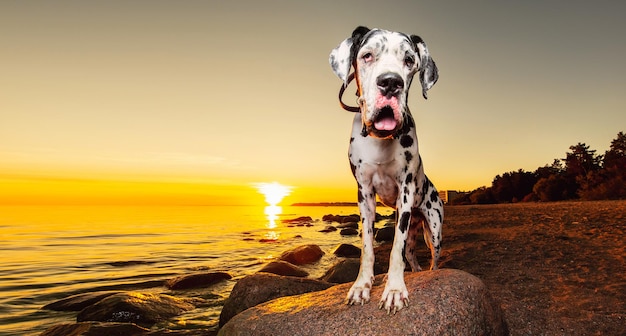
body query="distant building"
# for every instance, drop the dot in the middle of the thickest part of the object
(449, 195)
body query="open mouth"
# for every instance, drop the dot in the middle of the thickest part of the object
(385, 119)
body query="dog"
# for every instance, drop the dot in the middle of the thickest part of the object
(384, 155)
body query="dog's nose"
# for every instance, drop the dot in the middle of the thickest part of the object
(389, 83)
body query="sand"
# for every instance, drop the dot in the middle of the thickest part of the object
(557, 268)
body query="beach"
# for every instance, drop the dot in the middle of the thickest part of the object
(555, 268)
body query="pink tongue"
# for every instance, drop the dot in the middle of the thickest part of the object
(386, 124)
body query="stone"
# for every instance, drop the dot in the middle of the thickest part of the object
(299, 220)
(347, 251)
(302, 255)
(144, 309)
(79, 301)
(347, 271)
(284, 268)
(94, 329)
(341, 218)
(328, 228)
(348, 225)
(196, 280)
(261, 287)
(443, 302)
(343, 271)
(349, 232)
(386, 233)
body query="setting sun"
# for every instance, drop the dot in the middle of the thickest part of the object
(274, 192)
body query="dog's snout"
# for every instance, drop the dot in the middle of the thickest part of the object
(390, 83)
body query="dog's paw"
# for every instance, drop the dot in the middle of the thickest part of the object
(394, 298)
(359, 293)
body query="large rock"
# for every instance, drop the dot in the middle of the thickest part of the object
(261, 287)
(284, 268)
(347, 251)
(443, 302)
(304, 254)
(347, 270)
(79, 301)
(386, 233)
(144, 309)
(197, 280)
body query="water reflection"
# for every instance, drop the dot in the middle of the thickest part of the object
(271, 213)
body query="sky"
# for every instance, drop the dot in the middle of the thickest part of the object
(196, 101)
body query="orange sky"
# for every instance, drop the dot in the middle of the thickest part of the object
(194, 102)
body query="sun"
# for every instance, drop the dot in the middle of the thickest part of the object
(274, 192)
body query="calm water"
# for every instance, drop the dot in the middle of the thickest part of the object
(49, 253)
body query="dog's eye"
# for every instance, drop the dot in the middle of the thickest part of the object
(409, 61)
(367, 57)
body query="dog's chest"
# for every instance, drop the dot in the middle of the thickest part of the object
(382, 165)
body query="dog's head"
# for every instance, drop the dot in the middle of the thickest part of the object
(385, 63)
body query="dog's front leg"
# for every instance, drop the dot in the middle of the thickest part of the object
(360, 291)
(396, 296)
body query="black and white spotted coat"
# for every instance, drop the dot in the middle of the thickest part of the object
(386, 162)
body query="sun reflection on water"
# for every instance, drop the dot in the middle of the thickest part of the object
(274, 193)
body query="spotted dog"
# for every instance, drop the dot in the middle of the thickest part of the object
(384, 154)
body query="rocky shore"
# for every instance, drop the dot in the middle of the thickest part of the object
(540, 269)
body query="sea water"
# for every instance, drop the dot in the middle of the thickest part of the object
(52, 252)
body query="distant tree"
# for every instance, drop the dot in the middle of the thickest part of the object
(548, 170)
(579, 163)
(513, 186)
(615, 157)
(610, 181)
(552, 188)
(482, 195)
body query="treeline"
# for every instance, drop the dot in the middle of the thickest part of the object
(582, 174)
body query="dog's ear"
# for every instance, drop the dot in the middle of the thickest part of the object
(343, 56)
(428, 72)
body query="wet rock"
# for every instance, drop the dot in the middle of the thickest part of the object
(261, 287)
(95, 329)
(144, 309)
(284, 268)
(328, 228)
(349, 225)
(197, 280)
(302, 255)
(79, 301)
(341, 218)
(347, 251)
(343, 271)
(443, 302)
(386, 233)
(299, 220)
(349, 232)
(347, 271)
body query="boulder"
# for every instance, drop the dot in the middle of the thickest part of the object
(341, 218)
(197, 280)
(343, 271)
(347, 271)
(94, 329)
(284, 268)
(261, 287)
(299, 220)
(302, 255)
(347, 251)
(348, 225)
(328, 228)
(144, 309)
(443, 302)
(385, 234)
(79, 301)
(349, 232)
